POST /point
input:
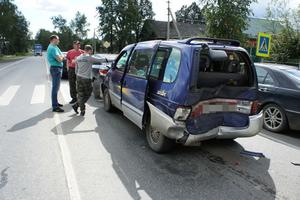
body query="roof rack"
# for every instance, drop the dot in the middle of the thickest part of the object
(211, 41)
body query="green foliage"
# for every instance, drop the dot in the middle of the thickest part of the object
(42, 37)
(121, 21)
(286, 44)
(14, 33)
(59, 23)
(79, 25)
(64, 31)
(227, 18)
(190, 14)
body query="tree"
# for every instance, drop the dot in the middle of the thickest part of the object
(64, 32)
(42, 37)
(227, 18)
(190, 14)
(79, 25)
(121, 21)
(286, 44)
(107, 21)
(59, 23)
(14, 33)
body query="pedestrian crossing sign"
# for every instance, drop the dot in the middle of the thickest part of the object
(263, 45)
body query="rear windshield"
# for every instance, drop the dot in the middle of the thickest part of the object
(235, 71)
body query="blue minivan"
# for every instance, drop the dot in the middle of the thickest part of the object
(185, 91)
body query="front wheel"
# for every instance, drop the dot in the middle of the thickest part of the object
(274, 118)
(157, 141)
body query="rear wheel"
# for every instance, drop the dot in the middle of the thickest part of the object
(108, 107)
(274, 118)
(157, 141)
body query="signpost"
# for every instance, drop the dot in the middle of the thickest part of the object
(263, 45)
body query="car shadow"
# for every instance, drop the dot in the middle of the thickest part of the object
(289, 138)
(216, 170)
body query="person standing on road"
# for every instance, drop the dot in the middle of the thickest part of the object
(55, 59)
(71, 56)
(83, 70)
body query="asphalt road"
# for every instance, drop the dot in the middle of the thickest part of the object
(48, 156)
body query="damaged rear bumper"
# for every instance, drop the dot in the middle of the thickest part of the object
(178, 132)
(224, 132)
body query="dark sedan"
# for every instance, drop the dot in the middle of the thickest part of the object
(65, 68)
(279, 94)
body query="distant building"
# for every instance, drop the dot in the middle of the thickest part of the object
(157, 30)
(256, 25)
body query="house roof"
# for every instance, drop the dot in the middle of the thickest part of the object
(186, 30)
(256, 25)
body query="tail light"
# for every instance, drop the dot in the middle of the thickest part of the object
(103, 72)
(225, 105)
(182, 113)
(255, 107)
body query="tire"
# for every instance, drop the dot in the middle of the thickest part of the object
(108, 107)
(274, 118)
(96, 89)
(157, 141)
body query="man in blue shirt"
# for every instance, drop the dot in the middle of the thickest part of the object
(55, 59)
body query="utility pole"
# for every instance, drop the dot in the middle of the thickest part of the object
(168, 28)
(94, 41)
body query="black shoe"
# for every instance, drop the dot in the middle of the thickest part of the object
(82, 113)
(73, 101)
(60, 105)
(58, 109)
(75, 108)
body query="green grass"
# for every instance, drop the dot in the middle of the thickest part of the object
(18, 56)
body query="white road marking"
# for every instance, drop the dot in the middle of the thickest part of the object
(66, 158)
(65, 153)
(38, 96)
(8, 95)
(64, 90)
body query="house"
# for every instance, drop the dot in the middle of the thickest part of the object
(157, 30)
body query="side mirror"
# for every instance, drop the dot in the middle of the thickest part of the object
(217, 55)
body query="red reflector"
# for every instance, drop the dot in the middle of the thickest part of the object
(254, 107)
(103, 71)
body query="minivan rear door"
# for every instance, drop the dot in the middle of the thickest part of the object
(224, 92)
(135, 81)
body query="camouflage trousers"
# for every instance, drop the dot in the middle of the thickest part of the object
(84, 91)
(72, 83)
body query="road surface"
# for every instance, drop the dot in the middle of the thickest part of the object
(47, 156)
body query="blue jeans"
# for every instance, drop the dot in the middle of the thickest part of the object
(56, 73)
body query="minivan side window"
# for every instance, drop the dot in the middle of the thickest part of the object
(166, 64)
(139, 62)
(121, 64)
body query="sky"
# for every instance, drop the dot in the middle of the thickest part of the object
(39, 12)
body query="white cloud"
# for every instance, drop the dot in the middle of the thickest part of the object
(38, 12)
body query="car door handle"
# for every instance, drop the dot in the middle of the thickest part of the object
(263, 89)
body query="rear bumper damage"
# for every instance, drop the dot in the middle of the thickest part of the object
(177, 130)
(223, 132)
